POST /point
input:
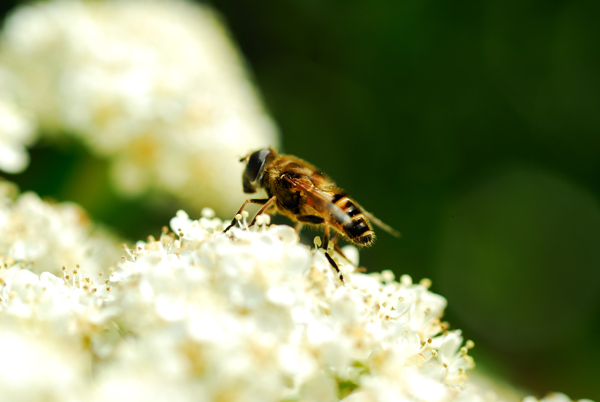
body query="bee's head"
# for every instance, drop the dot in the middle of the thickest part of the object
(255, 168)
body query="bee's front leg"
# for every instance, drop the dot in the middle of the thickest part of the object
(260, 211)
(249, 201)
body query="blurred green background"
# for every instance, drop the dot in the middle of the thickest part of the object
(471, 127)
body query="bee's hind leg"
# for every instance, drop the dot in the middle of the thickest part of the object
(340, 252)
(325, 244)
(337, 248)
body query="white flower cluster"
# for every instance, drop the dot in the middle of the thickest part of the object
(155, 86)
(248, 315)
(554, 397)
(51, 238)
(252, 315)
(52, 298)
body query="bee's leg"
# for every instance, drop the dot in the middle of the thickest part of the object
(325, 244)
(334, 241)
(338, 249)
(314, 219)
(334, 265)
(326, 240)
(302, 219)
(340, 252)
(260, 211)
(249, 201)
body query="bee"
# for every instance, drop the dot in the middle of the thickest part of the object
(303, 193)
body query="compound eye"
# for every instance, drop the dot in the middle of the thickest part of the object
(255, 164)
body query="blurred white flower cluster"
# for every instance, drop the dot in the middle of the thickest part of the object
(17, 129)
(248, 315)
(53, 315)
(154, 86)
(554, 397)
(49, 237)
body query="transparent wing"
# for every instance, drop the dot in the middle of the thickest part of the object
(382, 225)
(324, 199)
(320, 198)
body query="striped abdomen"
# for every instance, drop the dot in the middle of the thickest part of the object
(357, 229)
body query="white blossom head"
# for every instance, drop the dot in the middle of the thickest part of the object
(199, 314)
(17, 128)
(227, 306)
(156, 87)
(57, 238)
